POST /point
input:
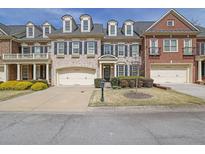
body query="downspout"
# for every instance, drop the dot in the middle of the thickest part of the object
(145, 51)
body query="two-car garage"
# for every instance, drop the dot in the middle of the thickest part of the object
(171, 73)
(76, 76)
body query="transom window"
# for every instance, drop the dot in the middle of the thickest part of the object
(76, 47)
(85, 25)
(170, 45)
(121, 49)
(30, 31)
(112, 30)
(91, 47)
(135, 70)
(129, 30)
(67, 25)
(135, 50)
(121, 70)
(170, 23)
(107, 49)
(60, 47)
(188, 47)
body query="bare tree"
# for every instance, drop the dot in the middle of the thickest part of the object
(195, 21)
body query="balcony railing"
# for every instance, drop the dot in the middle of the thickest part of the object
(32, 56)
(154, 51)
(189, 51)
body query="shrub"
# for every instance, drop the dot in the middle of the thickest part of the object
(43, 81)
(148, 82)
(114, 82)
(9, 85)
(39, 86)
(97, 82)
(23, 85)
(132, 83)
(124, 83)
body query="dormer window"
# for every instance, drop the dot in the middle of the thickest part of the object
(128, 27)
(85, 25)
(46, 29)
(67, 23)
(30, 30)
(170, 23)
(129, 30)
(112, 28)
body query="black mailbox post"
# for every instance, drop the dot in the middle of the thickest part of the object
(102, 84)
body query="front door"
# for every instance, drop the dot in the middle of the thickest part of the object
(106, 72)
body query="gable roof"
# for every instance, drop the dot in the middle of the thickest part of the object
(4, 29)
(177, 14)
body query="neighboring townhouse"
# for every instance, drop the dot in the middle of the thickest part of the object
(170, 49)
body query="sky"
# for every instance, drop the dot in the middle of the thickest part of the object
(99, 15)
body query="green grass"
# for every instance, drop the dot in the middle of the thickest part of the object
(8, 94)
(160, 97)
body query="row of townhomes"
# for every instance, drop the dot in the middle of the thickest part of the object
(171, 49)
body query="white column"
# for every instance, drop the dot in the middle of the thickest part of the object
(47, 72)
(199, 71)
(18, 72)
(34, 71)
(6, 72)
(115, 70)
(100, 70)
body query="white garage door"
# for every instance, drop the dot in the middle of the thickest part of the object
(169, 74)
(76, 76)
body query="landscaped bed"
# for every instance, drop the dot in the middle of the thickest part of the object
(8, 94)
(118, 97)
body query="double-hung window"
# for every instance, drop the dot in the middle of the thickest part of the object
(37, 49)
(30, 31)
(121, 49)
(76, 48)
(67, 25)
(129, 30)
(188, 47)
(154, 50)
(60, 47)
(91, 48)
(85, 25)
(107, 49)
(135, 70)
(170, 45)
(112, 30)
(202, 48)
(121, 70)
(47, 30)
(135, 50)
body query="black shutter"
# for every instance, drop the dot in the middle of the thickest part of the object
(102, 49)
(116, 50)
(126, 70)
(80, 44)
(33, 49)
(55, 48)
(46, 49)
(41, 49)
(125, 50)
(130, 70)
(117, 70)
(85, 47)
(96, 48)
(130, 50)
(70, 48)
(65, 48)
(111, 49)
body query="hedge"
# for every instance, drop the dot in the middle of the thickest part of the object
(23, 85)
(39, 86)
(9, 85)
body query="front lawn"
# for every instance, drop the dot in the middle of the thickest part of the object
(7, 94)
(159, 97)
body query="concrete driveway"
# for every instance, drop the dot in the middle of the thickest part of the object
(190, 89)
(56, 99)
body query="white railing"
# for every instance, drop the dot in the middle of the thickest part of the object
(32, 56)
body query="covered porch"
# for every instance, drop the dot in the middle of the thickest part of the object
(201, 68)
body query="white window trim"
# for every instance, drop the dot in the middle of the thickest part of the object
(58, 48)
(64, 26)
(93, 48)
(104, 48)
(170, 40)
(109, 29)
(119, 69)
(123, 50)
(173, 23)
(189, 40)
(126, 30)
(27, 31)
(44, 30)
(138, 48)
(78, 48)
(137, 71)
(82, 25)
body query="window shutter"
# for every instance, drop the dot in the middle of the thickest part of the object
(55, 48)
(96, 48)
(117, 70)
(33, 49)
(111, 49)
(85, 47)
(130, 50)
(116, 50)
(46, 49)
(41, 49)
(130, 70)
(125, 50)
(65, 48)
(126, 70)
(102, 49)
(70, 48)
(80, 44)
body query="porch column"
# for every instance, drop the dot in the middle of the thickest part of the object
(199, 71)
(115, 70)
(18, 72)
(34, 71)
(100, 70)
(47, 72)
(6, 72)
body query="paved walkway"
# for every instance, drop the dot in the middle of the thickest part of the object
(58, 99)
(191, 89)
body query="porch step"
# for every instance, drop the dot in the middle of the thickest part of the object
(107, 85)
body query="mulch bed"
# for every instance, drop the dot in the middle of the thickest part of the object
(138, 95)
